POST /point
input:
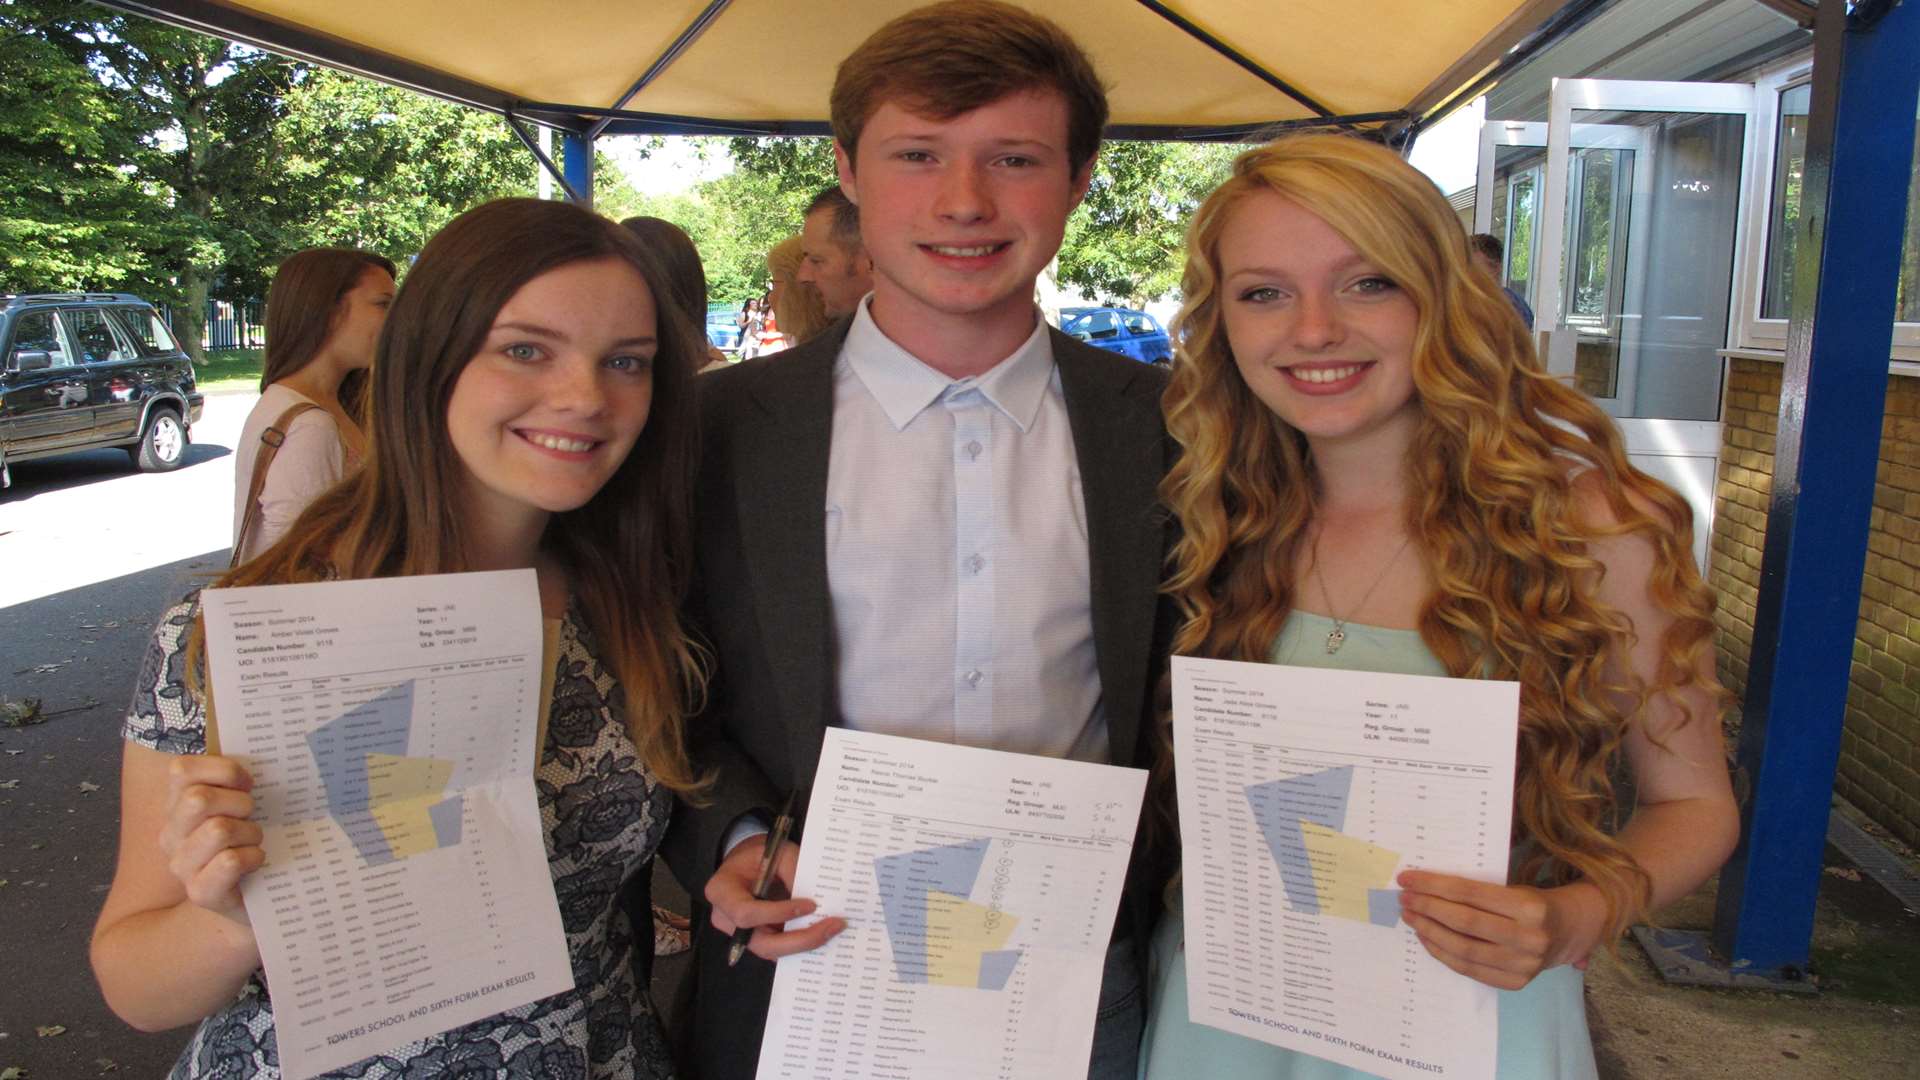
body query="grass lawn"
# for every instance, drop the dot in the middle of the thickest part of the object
(229, 369)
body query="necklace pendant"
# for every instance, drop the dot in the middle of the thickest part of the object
(1336, 637)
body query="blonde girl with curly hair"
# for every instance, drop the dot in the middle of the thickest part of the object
(1376, 474)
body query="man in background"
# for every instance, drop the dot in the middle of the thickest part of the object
(833, 260)
(1488, 254)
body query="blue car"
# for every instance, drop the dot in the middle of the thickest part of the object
(723, 332)
(1121, 330)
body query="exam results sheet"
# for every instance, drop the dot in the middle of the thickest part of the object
(1302, 793)
(389, 725)
(979, 888)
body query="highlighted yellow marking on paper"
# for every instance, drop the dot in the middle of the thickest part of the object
(1345, 868)
(399, 791)
(959, 931)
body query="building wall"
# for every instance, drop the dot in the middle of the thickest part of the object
(1880, 748)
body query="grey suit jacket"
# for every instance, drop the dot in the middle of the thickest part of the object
(762, 602)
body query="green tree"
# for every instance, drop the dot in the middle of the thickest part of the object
(201, 113)
(69, 219)
(1126, 242)
(363, 164)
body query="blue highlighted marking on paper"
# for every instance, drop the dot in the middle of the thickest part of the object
(1323, 870)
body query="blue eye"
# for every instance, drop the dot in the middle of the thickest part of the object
(631, 364)
(1261, 294)
(522, 352)
(1375, 285)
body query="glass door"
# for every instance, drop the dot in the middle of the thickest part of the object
(1506, 203)
(1640, 226)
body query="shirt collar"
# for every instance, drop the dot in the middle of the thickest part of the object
(904, 386)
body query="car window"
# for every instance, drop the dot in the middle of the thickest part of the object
(148, 330)
(1140, 323)
(38, 330)
(96, 337)
(1099, 324)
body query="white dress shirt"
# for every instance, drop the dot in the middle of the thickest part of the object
(957, 553)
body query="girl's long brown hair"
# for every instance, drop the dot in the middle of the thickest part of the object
(306, 293)
(1496, 517)
(627, 552)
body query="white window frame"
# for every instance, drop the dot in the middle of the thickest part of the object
(1751, 332)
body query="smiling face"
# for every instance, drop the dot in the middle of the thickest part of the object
(1319, 335)
(959, 216)
(546, 412)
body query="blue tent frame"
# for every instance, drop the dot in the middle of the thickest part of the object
(1866, 80)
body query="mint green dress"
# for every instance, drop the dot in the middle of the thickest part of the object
(1543, 1028)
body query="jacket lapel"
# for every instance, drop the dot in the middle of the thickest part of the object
(1118, 437)
(782, 491)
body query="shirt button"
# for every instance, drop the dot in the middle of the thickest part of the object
(973, 677)
(973, 450)
(975, 564)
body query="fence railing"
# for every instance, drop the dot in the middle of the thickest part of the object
(230, 324)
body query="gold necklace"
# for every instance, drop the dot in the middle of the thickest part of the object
(1338, 635)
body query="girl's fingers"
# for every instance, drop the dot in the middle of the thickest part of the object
(211, 770)
(209, 839)
(217, 884)
(1480, 924)
(195, 805)
(1479, 953)
(1520, 904)
(1494, 977)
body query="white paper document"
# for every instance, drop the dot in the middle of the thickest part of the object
(389, 726)
(1303, 792)
(979, 889)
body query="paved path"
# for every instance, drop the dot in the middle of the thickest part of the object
(90, 552)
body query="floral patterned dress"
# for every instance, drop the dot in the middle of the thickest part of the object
(603, 813)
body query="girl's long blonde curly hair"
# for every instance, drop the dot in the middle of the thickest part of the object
(1495, 514)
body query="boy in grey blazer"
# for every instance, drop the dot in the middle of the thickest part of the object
(939, 518)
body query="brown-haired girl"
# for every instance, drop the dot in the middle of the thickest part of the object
(324, 313)
(1377, 475)
(531, 408)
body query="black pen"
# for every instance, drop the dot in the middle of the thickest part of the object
(782, 825)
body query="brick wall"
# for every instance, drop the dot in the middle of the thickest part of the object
(1880, 748)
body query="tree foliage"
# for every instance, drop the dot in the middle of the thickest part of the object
(137, 156)
(68, 218)
(1126, 242)
(367, 165)
(736, 218)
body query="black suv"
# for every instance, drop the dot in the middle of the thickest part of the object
(79, 371)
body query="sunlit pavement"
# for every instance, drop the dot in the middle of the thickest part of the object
(77, 519)
(91, 551)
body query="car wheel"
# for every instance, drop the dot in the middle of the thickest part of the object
(163, 446)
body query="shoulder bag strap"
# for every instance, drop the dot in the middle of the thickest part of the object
(270, 441)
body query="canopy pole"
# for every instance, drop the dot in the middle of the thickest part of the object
(527, 140)
(576, 162)
(1853, 197)
(1859, 160)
